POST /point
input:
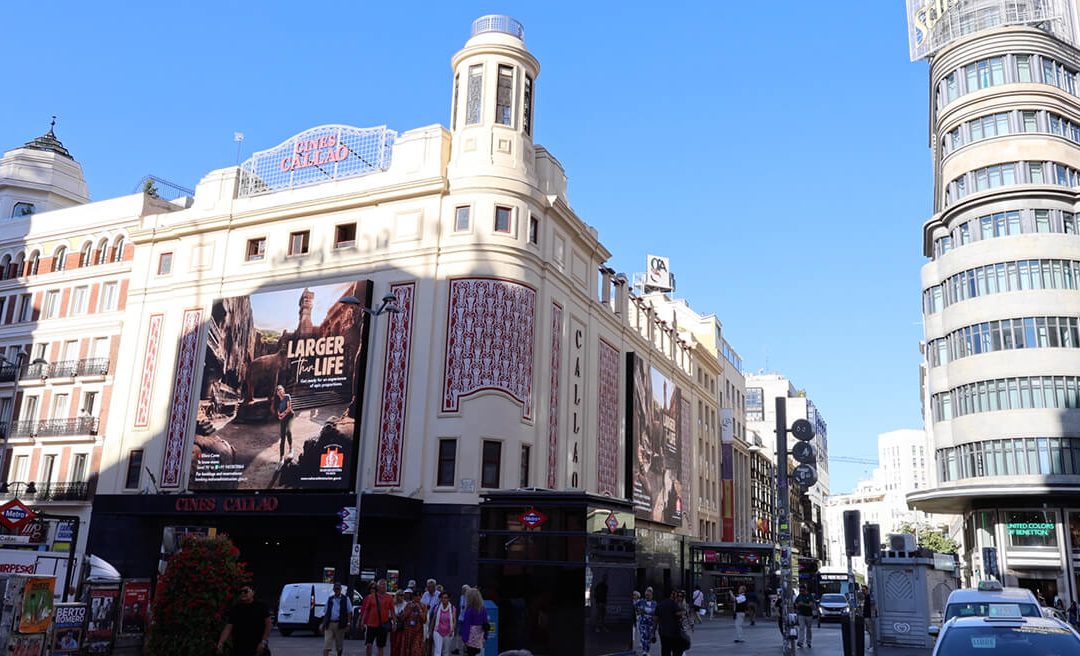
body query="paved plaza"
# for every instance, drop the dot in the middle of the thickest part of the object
(713, 636)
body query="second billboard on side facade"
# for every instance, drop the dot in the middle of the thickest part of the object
(279, 391)
(657, 425)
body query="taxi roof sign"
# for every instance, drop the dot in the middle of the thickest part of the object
(1004, 611)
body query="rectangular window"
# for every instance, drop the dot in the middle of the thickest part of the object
(1035, 173)
(1023, 68)
(952, 87)
(256, 249)
(504, 96)
(1029, 121)
(534, 230)
(30, 409)
(1042, 220)
(164, 266)
(48, 468)
(474, 94)
(89, 405)
(345, 235)
(22, 468)
(51, 308)
(108, 297)
(78, 468)
(502, 218)
(134, 470)
(79, 298)
(524, 479)
(491, 463)
(59, 407)
(461, 219)
(444, 476)
(526, 116)
(298, 242)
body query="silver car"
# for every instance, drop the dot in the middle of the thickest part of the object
(1015, 635)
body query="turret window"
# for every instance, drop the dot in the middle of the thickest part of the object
(475, 94)
(526, 115)
(504, 96)
(453, 108)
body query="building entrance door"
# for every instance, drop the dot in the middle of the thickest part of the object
(1045, 589)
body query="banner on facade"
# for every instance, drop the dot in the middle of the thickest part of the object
(282, 374)
(661, 489)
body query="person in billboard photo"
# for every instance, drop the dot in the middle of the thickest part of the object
(284, 413)
(658, 487)
(280, 381)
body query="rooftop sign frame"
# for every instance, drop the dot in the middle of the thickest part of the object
(322, 154)
(934, 24)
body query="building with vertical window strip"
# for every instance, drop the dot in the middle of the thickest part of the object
(1001, 287)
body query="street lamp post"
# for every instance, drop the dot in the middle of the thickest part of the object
(389, 306)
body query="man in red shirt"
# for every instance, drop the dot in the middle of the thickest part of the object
(376, 612)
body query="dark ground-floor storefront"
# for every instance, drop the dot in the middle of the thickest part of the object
(292, 537)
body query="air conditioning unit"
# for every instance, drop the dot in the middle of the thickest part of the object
(901, 542)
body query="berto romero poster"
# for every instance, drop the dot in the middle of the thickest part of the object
(278, 395)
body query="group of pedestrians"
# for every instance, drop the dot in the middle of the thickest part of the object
(427, 624)
(669, 622)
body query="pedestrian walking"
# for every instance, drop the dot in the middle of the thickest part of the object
(248, 624)
(645, 611)
(335, 621)
(804, 607)
(459, 643)
(474, 626)
(413, 617)
(443, 626)
(669, 618)
(752, 606)
(739, 600)
(1073, 614)
(376, 615)
(699, 603)
(397, 636)
(686, 626)
(869, 611)
(429, 600)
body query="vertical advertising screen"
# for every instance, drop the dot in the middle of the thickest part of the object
(278, 397)
(661, 491)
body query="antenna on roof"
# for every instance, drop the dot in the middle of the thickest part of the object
(238, 137)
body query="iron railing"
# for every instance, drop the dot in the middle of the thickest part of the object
(52, 492)
(51, 427)
(62, 369)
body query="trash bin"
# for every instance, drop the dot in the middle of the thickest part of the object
(860, 636)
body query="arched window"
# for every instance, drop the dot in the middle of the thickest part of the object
(102, 252)
(118, 249)
(35, 260)
(58, 258)
(5, 267)
(20, 261)
(85, 254)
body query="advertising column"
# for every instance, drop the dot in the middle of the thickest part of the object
(727, 474)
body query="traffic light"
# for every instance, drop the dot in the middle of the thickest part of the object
(872, 542)
(804, 453)
(851, 532)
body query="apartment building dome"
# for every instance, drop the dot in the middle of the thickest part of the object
(40, 176)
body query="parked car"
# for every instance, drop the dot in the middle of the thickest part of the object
(832, 607)
(303, 605)
(1005, 632)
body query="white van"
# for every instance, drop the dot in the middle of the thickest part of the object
(302, 606)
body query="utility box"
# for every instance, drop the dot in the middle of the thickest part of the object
(911, 594)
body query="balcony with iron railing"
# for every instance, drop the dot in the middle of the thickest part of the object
(49, 427)
(62, 369)
(81, 491)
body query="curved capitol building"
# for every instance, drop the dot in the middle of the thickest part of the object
(1001, 290)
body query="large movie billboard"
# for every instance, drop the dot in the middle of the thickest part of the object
(659, 417)
(278, 395)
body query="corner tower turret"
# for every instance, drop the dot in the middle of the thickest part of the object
(40, 176)
(491, 116)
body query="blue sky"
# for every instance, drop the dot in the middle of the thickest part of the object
(777, 152)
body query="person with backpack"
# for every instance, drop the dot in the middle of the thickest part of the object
(336, 621)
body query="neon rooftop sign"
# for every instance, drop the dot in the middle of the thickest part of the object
(321, 154)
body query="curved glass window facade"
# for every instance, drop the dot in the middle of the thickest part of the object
(1000, 124)
(1020, 456)
(1002, 277)
(1004, 335)
(1024, 392)
(1008, 174)
(1005, 224)
(989, 72)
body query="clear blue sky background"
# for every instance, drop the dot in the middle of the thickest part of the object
(777, 152)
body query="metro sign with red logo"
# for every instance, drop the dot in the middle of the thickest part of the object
(14, 514)
(533, 518)
(612, 522)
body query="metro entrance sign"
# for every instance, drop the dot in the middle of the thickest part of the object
(14, 514)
